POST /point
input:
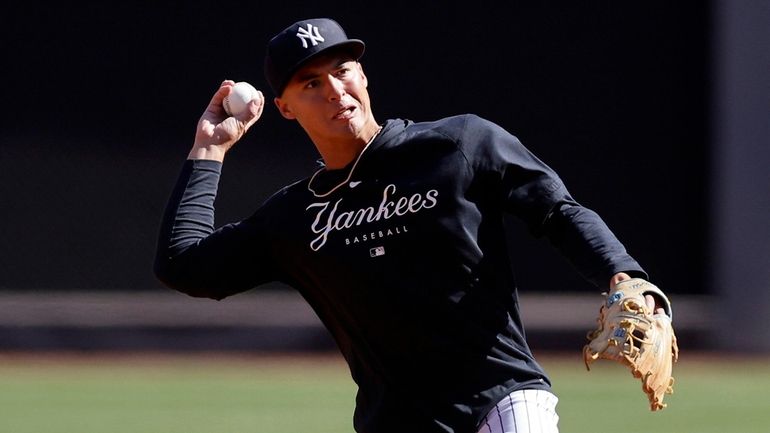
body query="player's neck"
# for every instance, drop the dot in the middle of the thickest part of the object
(338, 153)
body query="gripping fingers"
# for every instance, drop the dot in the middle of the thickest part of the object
(256, 106)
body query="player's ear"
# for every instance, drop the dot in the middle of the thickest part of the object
(363, 76)
(284, 109)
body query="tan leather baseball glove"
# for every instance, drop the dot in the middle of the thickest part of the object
(633, 335)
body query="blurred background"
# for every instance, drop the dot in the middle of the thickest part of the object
(655, 114)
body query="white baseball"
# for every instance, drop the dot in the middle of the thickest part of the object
(241, 94)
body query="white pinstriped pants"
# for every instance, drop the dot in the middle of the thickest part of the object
(525, 411)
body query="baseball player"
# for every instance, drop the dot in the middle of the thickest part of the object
(397, 242)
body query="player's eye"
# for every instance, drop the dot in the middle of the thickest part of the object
(311, 84)
(341, 72)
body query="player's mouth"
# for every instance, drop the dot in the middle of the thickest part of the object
(345, 113)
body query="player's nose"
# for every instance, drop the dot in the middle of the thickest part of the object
(335, 89)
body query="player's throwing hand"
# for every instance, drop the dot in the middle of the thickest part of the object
(217, 132)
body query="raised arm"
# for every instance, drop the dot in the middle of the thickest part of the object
(192, 256)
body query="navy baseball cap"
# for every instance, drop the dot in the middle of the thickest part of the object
(300, 42)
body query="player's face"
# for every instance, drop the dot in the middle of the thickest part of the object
(329, 99)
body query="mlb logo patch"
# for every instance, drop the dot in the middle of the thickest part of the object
(377, 251)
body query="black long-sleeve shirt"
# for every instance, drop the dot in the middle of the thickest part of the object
(403, 256)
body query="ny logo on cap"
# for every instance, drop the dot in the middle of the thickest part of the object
(310, 34)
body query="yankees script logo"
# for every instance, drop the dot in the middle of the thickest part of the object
(329, 218)
(310, 34)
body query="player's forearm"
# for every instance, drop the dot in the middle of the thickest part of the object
(195, 258)
(189, 218)
(586, 241)
(189, 214)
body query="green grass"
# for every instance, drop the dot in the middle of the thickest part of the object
(718, 395)
(169, 395)
(265, 395)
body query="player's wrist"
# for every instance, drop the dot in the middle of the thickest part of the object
(212, 153)
(618, 277)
